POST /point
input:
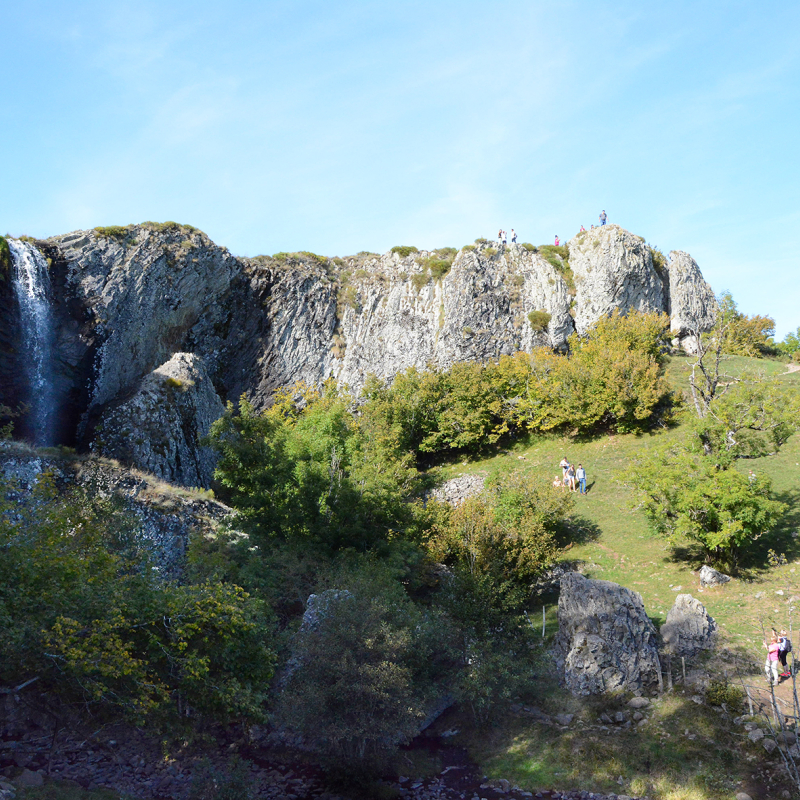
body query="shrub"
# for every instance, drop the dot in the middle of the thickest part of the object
(364, 673)
(6, 262)
(420, 279)
(539, 320)
(529, 247)
(481, 241)
(404, 250)
(659, 261)
(719, 692)
(469, 248)
(743, 335)
(439, 267)
(169, 225)
(79, 607)
(489, 252)
(113, 231)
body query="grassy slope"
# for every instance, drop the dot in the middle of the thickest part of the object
(660, 759)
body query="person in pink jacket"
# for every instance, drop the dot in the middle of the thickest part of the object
(771, 664)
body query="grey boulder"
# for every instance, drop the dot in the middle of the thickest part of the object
(605, 641)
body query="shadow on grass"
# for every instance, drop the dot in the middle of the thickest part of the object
(580, 531)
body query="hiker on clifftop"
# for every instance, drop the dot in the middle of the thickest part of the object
(513, 236)
(603, 217)
(556, 240)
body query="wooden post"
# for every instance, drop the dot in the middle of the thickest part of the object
(544, 620)
(683, 667)
(749, 699)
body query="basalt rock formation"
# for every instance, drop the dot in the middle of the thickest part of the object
(127, 300)
(605, 641)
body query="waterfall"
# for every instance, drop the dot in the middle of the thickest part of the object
(32, 288)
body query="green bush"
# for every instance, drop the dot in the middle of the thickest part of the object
(439, 267)
(489, 252)
(169, 225)
(470, 248)
(659, 261)
(420, 279)
(719, 692)
(82, 608)
(404, 250)
(6, 261)
(113, 231)
(529, 247)
(363, 675)
(481, 241)
(539, 320)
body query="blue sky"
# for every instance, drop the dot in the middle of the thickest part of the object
(344, 126)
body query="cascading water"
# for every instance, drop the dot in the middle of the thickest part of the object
(32, 289)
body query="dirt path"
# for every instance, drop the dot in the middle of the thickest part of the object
(791, 368)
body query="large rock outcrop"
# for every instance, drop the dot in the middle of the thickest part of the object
(158, 429)
(692, 305)
(164, 517)
(143, 289)
(126, 300)
(689, 628)
(605, 641)
(613, 269)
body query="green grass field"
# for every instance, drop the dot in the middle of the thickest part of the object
(659, 760)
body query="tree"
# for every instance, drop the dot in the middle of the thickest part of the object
(502, 539)
(687, 497)
(316, 473)
(743, 335)
(82, 609)
(363, 669)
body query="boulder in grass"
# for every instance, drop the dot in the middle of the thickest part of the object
(605, 640)
(712, 577)
(689, 628)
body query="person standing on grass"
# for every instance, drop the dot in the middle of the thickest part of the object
(771, 664)
(603, 217)
(581, 476)
(784, 648)
(564, 464)
(571, 477)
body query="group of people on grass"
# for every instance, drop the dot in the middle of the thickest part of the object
(572, 478)
(778, 648)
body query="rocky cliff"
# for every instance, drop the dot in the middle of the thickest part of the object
(128, 300)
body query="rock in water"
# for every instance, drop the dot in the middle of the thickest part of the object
(605, 640)
(613, 269)
(158, 428)
(689, 628)
(692, 305)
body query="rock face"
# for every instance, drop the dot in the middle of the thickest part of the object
(688, 628)
(127, 300)
(605, 641)
(158, 428)
(164, 517)
(613, 269)
(693, 307)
